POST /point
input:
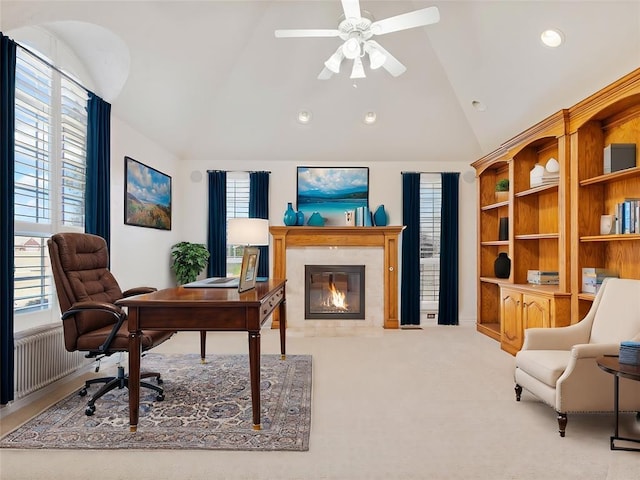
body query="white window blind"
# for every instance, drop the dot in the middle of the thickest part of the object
(237, 207)
(430, 219)
(50, 170)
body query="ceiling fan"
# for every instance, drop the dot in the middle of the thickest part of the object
(357, 31)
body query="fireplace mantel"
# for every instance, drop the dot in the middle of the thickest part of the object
(385, 237)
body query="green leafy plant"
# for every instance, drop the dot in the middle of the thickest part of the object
(189, 259)
(502, 185)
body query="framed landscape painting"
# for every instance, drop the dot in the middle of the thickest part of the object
(147, 196)
(332, 191)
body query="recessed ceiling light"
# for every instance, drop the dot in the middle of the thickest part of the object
(304, 116)
(370, 118)
(479, 106)
(552, 38)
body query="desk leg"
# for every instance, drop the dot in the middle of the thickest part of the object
(254, 373)
(135, 350)
(283, 329)
(203, 346)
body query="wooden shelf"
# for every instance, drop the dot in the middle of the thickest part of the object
(495, 205)
(495, 280)
(491, 329)
(612, 177)
(586, 296)
(537, 236)
(610, 238)
(536, 190)
(496, 243)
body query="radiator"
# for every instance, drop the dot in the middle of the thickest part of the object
(40, 359)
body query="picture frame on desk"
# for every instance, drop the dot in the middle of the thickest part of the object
(249, 269)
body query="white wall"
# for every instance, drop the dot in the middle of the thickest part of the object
(141, 256)
(385, 187)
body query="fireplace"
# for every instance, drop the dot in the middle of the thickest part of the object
(334, 292)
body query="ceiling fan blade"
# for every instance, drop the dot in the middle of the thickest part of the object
(351, 8)
(325, 74)
(417, 18)
(391, 65)
(319, 32)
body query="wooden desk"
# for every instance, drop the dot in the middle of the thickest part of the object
(204, 309)
(612, 365)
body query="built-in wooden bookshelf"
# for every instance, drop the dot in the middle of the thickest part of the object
(557, 227)
(538, 234)
(611, 115)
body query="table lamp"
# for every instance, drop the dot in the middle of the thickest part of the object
(250, 233)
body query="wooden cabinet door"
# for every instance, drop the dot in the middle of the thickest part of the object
(510, 320)
(536, 312)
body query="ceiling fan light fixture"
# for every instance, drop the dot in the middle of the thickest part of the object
(358, 69)
(376, 57)
(334, 61)
(351, 48)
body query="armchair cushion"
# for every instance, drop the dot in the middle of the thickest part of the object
(544, 365)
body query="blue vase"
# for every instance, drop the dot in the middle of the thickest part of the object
(290, 216)
(316, 220)
(380, 217)
(299, 218)
(366, 217)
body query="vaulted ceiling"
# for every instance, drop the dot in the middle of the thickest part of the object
(208, 80)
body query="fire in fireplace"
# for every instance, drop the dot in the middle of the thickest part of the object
(334, 292)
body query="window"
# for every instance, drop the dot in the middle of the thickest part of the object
(237, 207)
(430, 208)
(50, 168)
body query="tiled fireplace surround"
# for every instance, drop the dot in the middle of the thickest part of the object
(374, 247)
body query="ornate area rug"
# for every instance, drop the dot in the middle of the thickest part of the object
(206, 406)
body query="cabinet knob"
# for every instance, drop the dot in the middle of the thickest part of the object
(391, 269)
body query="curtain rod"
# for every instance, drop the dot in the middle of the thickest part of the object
(239, 171)
(49, 64)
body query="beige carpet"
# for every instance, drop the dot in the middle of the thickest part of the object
(436, 403)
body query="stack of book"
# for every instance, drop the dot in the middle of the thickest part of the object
(539, 277)
(630, 352)
(628, 216)
(592, 278)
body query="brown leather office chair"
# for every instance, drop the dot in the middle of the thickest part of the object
(87, 292)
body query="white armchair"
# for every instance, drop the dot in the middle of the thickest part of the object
(558, 365)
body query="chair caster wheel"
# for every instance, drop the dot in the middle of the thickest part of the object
(160, 397)
(83, 392)
(89, 410)
(159, 381)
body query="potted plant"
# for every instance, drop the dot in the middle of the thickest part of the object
(502, 190)
(189, 259)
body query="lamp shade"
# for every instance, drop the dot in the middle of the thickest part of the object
(248, 231)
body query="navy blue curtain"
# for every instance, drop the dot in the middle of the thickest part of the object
(217, 231)
(97, 217)
(259, 208)
(448, 296)
(7, 155)
(410, 290)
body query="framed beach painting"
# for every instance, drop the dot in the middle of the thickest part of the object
(147, 196)
(332, 191)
